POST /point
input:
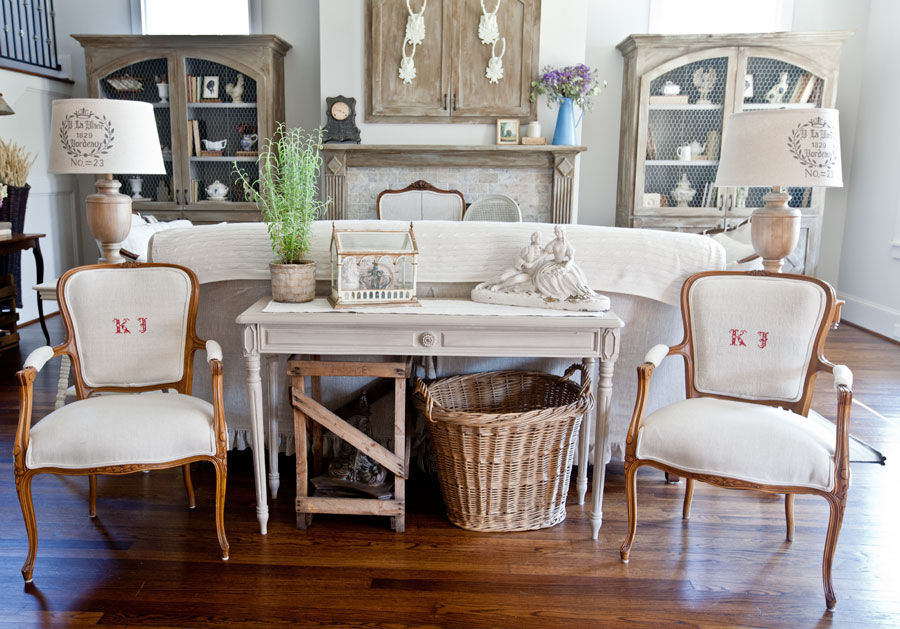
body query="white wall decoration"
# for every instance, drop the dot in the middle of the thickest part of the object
(415, 24)
(488, 31)
(415, 35)
(407, 69)
(494, 70)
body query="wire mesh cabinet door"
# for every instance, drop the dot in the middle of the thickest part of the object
(145, 77)
(685, 103)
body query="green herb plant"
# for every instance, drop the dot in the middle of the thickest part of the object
(287, 191)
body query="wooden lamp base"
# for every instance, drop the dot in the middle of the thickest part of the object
(109, 218)
(775, 229)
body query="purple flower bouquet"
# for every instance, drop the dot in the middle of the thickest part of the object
(579, 83)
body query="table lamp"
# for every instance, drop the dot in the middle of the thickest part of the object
(780, 148)
(102, 136)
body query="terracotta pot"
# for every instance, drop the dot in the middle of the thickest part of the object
(293, 283)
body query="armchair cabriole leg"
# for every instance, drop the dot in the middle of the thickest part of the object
(688, 497)
(789, 515)
(835, 519)
(631, 497)
(92, 495)
(188, 485)
(23, 488)
(221, 476)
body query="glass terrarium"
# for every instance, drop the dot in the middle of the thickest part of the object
(373, 267)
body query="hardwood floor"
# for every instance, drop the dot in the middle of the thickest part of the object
(148, 560)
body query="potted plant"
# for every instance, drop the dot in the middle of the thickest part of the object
(573, 85)
(15, 164)
(287, 195)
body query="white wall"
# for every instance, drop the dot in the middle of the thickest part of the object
(51, 205)
(825, 15)
(869, 273)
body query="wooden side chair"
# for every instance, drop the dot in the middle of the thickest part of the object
(420, 201)
(752, 349)
(130, 332)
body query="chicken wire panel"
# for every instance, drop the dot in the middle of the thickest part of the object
(684, 135)
(145, 81)
(223, 127)
(774, 84)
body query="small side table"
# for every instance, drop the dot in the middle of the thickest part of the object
(21, 242)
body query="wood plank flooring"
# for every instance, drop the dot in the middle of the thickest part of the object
(147, 560)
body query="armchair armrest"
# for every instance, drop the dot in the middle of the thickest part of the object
(656, 354)
(38, 358)
(842, 377)
(213, 351)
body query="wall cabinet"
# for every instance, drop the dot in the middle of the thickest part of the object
(667, 137)
(130, 66)
(450, 83)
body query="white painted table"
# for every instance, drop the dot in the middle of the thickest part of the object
(440, 327)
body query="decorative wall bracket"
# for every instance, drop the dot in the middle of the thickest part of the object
(415, 35)
(407, 69)
(488, 30)
(494, 70)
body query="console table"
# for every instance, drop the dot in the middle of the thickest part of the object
(20, 242)
(440, 327)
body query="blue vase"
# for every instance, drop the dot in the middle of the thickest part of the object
(565, 124)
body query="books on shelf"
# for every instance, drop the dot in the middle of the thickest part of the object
(803, 88)
(5, 228)
(195, 91)
(195, 190)
(662, 99)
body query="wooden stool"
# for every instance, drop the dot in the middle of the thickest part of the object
(311, 408)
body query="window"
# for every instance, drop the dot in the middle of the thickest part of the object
(195, 17)
(674, 17)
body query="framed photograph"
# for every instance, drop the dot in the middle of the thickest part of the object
(210, 87)
(507, 131)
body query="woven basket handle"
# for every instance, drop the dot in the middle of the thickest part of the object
(585, 379)
(421, 389)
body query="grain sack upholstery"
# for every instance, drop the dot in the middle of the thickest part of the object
(753, 336)
(120, 316)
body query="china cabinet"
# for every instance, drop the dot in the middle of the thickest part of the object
(215, 97)
(450, 82)
(678, 91)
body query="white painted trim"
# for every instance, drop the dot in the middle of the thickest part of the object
(895, 248)
(869, 315)
(137, 17)
(255, 8)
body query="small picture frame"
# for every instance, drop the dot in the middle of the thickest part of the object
(210, 88)
(507, 131)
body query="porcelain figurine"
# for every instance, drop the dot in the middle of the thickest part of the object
(704, 81)
(217, 191)
(670, 89)
(215, 145)
(543, 277)
(684, 192)
(236, 89)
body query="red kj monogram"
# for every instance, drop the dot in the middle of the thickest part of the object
(737, 338)
(122, 325)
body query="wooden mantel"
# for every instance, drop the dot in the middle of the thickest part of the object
(559, 159)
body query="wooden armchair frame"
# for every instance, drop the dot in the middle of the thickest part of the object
(420, 186)
(26, 376)
(837, 497)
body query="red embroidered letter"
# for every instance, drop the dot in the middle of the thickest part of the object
(120, 326)
(763, 339)
(736, 338)
(143, 321)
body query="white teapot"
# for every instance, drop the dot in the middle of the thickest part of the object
(217, 191)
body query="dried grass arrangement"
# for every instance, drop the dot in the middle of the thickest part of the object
(15, 164)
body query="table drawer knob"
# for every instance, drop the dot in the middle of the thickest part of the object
(427, 339)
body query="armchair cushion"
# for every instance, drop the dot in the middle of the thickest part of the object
(751, 442)
(123, 430)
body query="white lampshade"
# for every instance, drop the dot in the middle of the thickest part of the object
(94, 135)
(781, 147)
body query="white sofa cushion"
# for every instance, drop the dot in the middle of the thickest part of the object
(751, 442)
(122, 430)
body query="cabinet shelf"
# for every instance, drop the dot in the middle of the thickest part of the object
(681, 162)
(683, 107)
(222, 105)
(224, 158)
(749, 106)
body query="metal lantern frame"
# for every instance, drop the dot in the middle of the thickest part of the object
(356, 294)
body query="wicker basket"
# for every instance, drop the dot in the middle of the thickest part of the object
(504, 443)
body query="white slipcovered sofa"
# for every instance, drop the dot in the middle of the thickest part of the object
(640, 270)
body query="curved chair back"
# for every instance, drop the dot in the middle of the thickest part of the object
(494, 207)
(130, 326)
(420, 201)
(755, 336)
